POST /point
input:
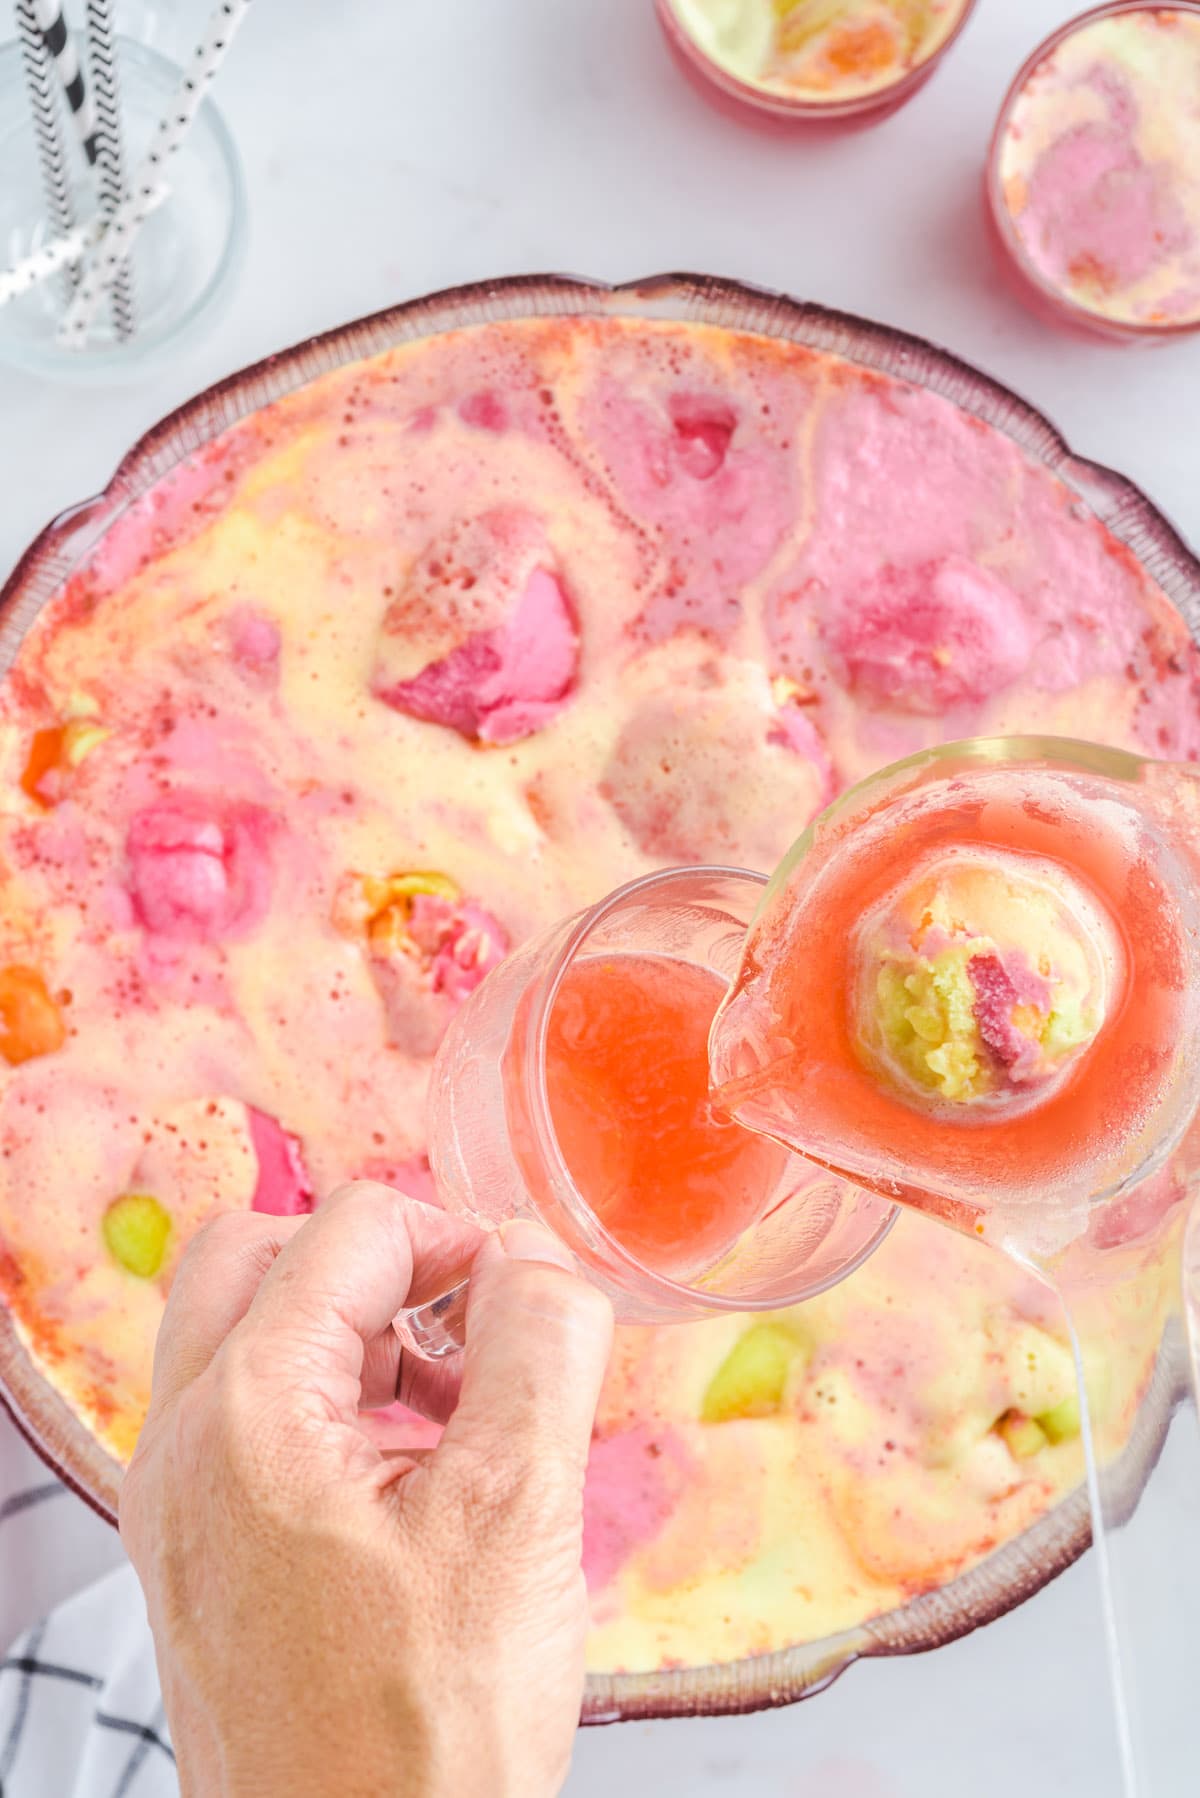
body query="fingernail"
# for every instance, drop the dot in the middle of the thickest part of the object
(523, 1240)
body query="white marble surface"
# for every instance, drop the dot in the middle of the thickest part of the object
(393, 149)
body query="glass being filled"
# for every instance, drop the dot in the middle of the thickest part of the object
(573, 1087)
(669, 1174)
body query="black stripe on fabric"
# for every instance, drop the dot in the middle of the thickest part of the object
(24, 1501)
(147, 1738)
(31, 1668)
(12, 1741)
(133, 1728)
(56, 36)
(76, 93)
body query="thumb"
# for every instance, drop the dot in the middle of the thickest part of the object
(537, 1345)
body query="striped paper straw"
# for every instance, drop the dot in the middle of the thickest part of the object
(50, 147)
(169, 135)
(60, 252)
(61, 46)
(110, 154)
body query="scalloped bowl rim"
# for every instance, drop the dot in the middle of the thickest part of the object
(1021, 1567)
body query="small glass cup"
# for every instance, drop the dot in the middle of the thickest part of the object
(183, 258)
(764, 105)
(1041, 295)
(495, 1156)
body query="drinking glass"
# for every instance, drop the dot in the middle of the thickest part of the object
(184, 258)
(495, 1155)
(767, 105)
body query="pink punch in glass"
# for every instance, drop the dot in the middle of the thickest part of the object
(1090, 189)
(496, 1155)
(854, 92)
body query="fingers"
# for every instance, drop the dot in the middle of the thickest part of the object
(364, 1251)
(332, 1293)
(538, 1342)
(212, 1291)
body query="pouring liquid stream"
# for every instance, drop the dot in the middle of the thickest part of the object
(974, 987)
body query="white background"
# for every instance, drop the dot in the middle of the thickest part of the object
(393, 148)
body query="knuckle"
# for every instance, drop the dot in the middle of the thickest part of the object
(503, 1496)
(365, 1196)
(571, 1309)
(592, 1310)
(234, 1383)
(250, 1432)
(487, 1483)
(219, 1239)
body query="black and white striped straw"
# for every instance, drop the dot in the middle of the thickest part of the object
(60, 252)
(61, 46)
(51, 148)
(110, 156)
(169, 135)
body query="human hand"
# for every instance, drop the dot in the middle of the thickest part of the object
(330, 1620)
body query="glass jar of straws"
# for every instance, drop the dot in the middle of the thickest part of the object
(122, 210)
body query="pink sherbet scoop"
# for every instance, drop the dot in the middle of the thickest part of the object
(513, 662)
(195, 875)
(927, 638)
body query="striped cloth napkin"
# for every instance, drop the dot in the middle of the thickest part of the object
(80, 1710)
